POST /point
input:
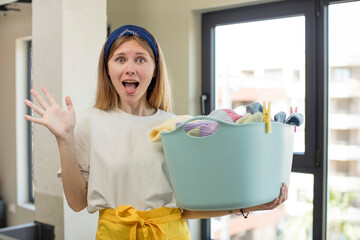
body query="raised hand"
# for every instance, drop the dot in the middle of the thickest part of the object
(60, 122)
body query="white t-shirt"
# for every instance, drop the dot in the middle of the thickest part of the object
(120, 163)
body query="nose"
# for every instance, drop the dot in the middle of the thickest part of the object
(130, 68)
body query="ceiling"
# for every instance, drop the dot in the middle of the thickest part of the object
(6, 7)
(5, 2)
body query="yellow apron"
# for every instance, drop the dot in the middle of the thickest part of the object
(125, 222)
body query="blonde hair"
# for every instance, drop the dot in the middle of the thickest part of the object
(159, 90)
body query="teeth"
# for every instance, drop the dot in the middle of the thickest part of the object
(130, 82)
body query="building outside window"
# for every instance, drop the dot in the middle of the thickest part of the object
(265, 60)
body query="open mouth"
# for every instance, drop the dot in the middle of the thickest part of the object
(130, 85)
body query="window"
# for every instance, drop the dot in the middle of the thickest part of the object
(324, 196)
(343, 212)
(277, 43)
(25, 184)
(29, 128)
(340, 74)
(274, 74)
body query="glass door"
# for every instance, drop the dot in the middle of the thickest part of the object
(265, 61)
(343, 214)
(272, 52)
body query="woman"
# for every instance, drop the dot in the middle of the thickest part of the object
(108, 162)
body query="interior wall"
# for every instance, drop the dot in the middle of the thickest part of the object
(177, 27)
(65, 59)
(13, 25)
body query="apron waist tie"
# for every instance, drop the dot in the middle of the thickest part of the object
(146, 220)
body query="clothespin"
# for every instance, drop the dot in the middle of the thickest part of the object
(267, 116)
(291, 111)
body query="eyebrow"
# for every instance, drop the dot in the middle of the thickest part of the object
(137, 53)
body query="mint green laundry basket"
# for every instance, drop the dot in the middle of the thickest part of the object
(238, 166)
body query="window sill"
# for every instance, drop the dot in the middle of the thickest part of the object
(28, 206)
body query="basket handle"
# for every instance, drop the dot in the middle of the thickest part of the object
(203, 118)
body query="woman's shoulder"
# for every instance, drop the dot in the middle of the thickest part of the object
(87, 112)
(90, 113)
(165, 115)
(95, 113)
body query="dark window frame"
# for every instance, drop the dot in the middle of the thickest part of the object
(29, 125)
(314, 160)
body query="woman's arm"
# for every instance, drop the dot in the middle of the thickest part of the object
(61, 124)
(74, 184)
(267, 206)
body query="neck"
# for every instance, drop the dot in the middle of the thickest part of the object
(138, 109)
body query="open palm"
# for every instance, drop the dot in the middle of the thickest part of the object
(60, 122)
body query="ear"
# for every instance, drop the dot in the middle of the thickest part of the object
(107, 70)
(155, 71)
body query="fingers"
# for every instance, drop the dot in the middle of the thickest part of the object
(44, 104)
(69, 104)
(282, 194)
(279, 200)
(40, 100)
(276, 202)
(34, 107)
(48, 96)
(286, 191)
(34, 120)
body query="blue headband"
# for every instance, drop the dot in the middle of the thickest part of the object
(131, 30)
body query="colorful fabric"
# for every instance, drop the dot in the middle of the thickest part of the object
(295, 119)
(195, 132)
(167, 126)
(254, 108)
(231, 113)
(249, 118)
(221, 114)
(127, 223)
(280, 117)
(200, 128)
(227, 115)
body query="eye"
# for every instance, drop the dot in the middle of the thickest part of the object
(140, 60)
(120, 60)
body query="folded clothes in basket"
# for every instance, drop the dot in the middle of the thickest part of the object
(248, 118)
(296, 119)
(167, 126)
(227, 115)
(202, 128)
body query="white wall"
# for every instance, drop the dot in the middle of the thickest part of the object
(176, 25)
(13, 26)
(65, 59)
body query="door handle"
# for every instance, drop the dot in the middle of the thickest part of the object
(203, 99)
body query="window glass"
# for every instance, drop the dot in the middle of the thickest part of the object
(343, 216)
(292, 220)
(262, 61)
(265, 61)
